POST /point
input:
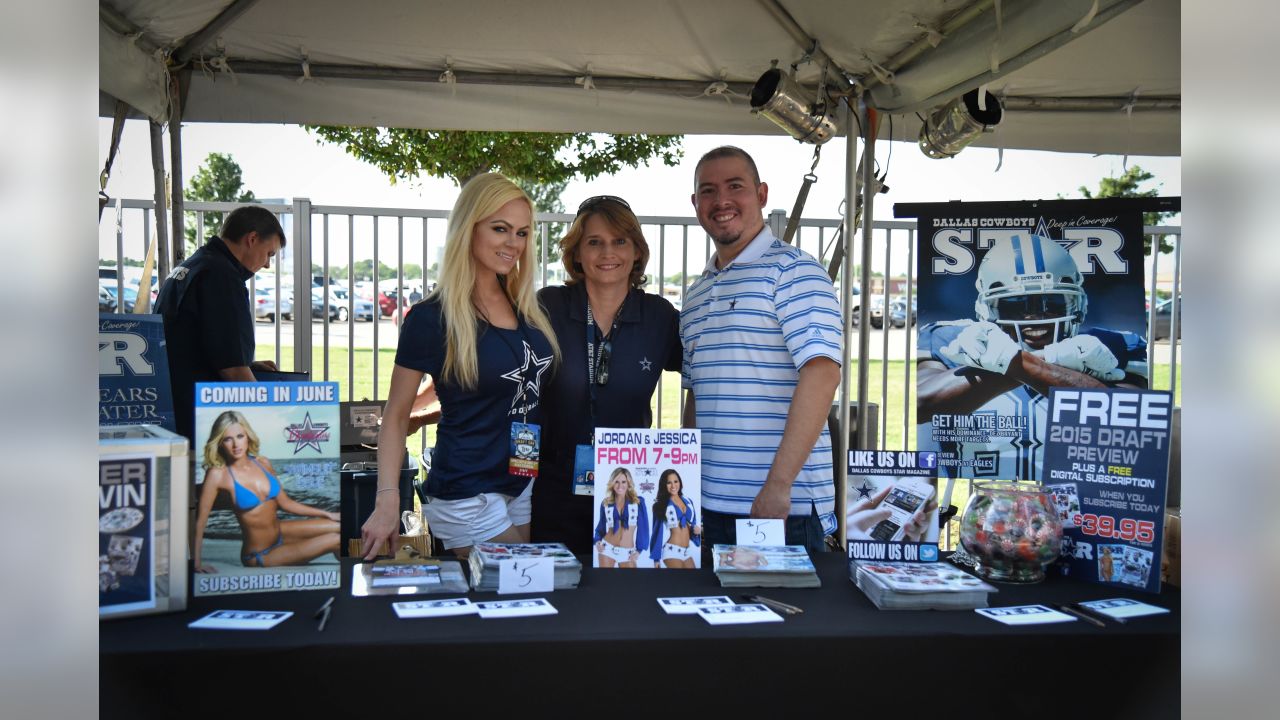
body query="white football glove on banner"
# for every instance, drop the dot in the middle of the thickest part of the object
(1086, 354)
(982, 345)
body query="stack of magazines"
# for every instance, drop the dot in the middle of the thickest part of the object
(408, 577)
(486, 556)
(764, 566)
(919, 586)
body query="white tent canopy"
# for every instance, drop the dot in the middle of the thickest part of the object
(1110, 85)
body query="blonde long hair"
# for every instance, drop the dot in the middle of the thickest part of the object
(612, 497)
(481, 197)
(213, 448)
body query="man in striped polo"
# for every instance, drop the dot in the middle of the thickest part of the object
(761, 334)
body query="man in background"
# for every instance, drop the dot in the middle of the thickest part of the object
(208, 319)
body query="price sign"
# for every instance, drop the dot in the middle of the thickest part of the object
(531, 575)
(1106, 463)
(759, 531)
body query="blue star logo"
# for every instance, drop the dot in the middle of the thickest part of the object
(307, 434)
(864, 491)
(645, 364)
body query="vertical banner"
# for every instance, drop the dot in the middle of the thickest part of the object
(126, 533)
(133, 371)
(648, 493)
(1106, 467)
(1016, 298)
(891, 509)
(267, 514)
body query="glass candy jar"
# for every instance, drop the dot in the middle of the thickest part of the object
(1012, 529)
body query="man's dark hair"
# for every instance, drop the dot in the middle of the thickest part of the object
(251, 218)
(726, 151)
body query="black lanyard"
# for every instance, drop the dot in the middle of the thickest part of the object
(594, 343)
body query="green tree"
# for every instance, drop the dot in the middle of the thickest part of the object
(542, 163)
(538, 158)
(218, 179)
(1127, 186)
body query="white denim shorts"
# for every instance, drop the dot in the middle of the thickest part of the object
(674, 552)
(618, 554)
(463, 523)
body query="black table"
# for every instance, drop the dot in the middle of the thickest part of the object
(612, 651)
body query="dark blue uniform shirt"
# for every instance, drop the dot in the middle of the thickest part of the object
(208, 324)
(473, 439)
(646, 342)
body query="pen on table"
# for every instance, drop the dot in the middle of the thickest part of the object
(1097, 613)
(778, 605)
(1072, 611)
(323, 613)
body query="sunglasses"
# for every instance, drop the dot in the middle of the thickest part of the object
(595, 200)
(602, 367)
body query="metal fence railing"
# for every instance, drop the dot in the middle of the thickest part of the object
(406, 246)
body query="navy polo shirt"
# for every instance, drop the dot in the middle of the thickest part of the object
(208, 324)
(646, 342)
(473, 438)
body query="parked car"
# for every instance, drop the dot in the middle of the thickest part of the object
(388, 302)
(362, 309)
(106, 301)
(1164, 319)
(898, 313)
(334, 309)
(130, 295)
(877, 312)
(264, 305)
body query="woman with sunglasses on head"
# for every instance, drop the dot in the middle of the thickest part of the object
(486, 343)
(616, 340)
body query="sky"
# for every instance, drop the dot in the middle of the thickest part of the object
(285, 162)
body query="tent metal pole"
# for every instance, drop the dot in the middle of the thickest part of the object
(162, 223)
(175, 168)
(867, 187)
(841, 442)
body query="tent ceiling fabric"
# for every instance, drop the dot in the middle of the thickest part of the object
(700, 43)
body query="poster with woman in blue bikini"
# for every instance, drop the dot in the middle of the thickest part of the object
(268, 511)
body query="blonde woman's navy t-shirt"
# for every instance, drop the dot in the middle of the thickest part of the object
(473, 438)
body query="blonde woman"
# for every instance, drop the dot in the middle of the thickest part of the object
(623, 529)
(489, 348)
(232, 465)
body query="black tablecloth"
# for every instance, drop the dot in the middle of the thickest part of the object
(611, 650)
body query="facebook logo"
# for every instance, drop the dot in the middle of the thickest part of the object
(928, 459)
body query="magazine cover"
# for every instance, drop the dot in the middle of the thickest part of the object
(648, 493)
(762, 559)
(1107, 467)
(1015, 298)
(267, 458)
(126, 533)
(133, 371)
(891, 506)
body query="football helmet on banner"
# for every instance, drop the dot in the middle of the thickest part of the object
(1027, 283)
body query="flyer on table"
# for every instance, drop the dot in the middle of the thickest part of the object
(1106, 468)
(1014, 298)
(267, 459)
(891, 508)
(648, 493)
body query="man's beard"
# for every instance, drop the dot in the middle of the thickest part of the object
(727, 239)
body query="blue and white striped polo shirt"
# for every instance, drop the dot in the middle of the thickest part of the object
(747, 329)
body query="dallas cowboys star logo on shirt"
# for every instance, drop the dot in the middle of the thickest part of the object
(518, 375)
(645, 365)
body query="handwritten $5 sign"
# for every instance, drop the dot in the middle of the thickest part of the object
(1106, 526)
